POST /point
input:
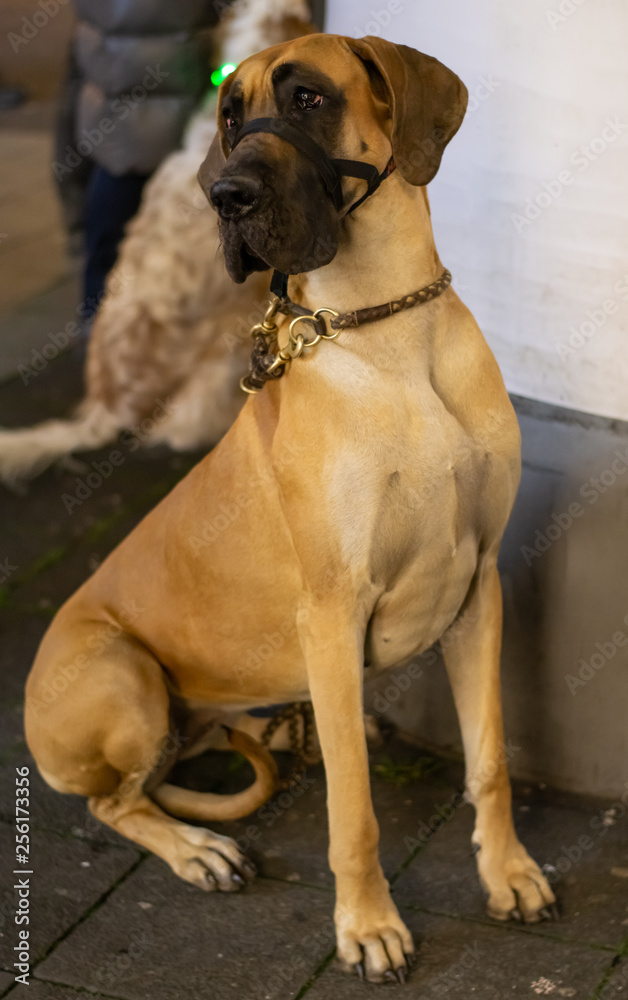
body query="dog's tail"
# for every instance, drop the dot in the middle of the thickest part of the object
(187, 804)
(26, 452)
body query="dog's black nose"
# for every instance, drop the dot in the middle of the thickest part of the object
(234, 197)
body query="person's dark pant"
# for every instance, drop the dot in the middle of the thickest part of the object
(111, 203)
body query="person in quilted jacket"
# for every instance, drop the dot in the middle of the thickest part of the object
(138, 69)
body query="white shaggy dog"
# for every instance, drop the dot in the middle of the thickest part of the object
(172, 325)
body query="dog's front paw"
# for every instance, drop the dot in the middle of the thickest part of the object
(376, 945)
(517, 888)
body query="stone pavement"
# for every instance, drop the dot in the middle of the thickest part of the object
(109, 920)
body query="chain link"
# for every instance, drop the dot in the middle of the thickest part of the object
(267, 360)
(302, 737)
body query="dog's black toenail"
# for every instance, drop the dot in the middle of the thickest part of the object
(401, 975)
(359, 968)
(390, 976)
(237, 879)
(554, 911)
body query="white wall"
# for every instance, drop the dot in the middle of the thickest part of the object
(545, 78)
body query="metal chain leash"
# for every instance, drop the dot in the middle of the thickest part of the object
(302, 737)
(267, 361)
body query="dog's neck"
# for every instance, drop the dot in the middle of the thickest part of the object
(386, 251)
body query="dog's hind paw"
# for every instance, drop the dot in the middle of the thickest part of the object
(210, 861)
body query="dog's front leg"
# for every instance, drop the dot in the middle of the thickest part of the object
(371, 936)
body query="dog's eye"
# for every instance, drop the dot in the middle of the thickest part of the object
(307, 100)
(230, 121)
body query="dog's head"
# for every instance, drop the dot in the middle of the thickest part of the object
(357, 100)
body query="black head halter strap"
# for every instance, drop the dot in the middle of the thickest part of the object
(331, 171)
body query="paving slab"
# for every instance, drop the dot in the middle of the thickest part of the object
(38, 990)
(160, 938)
(50, 811)
(36, 524)
(6, 980)
(288, 836)
(21, 635)
(616, 988)
(591, 882)
(36, 324)
(83, 540)
(11, 731)
(459, 959)
(69, 877)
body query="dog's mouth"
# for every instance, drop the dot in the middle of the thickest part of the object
(293, 241)
(240, 258)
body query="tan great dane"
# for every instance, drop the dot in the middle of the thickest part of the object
(349, 517)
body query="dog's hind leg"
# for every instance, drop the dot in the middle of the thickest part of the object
(515, 884)
(202, 857)
(105, 733)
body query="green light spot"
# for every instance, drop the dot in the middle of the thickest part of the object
(221, 74)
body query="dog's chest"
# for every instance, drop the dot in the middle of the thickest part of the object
(422, 604)
(412, 520)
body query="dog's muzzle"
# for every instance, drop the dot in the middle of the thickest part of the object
(236, 197)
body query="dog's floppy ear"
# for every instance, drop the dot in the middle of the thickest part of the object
(213, 164)
(427, 103)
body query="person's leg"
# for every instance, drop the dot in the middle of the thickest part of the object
(111, 202)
